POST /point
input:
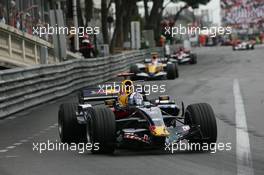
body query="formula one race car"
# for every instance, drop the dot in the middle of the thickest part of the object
(244, 45)
(155, 68)
(127, 119)
(184, 56)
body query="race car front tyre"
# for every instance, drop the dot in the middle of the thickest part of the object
(70, 130)
(171, 72)
(194, 59)
(101, 129)
(134, 69)
(201, 115)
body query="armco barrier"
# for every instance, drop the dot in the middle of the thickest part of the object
(22, 88)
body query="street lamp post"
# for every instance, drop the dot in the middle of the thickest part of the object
(75, 20)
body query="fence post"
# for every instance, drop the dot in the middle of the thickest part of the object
(36, 53)
(10, 45)
(23, 50)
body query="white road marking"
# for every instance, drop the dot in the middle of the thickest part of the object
(23, 141)
(54, 126)
(17, 144)
(243, 153)
(10, 147)
(36, 135)
(11, 156)
(10, 118)
(28, 138)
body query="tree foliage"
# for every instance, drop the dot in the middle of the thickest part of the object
(192, 3)
(127, 9)
(154, 18)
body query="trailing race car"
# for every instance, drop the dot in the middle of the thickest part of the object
(249, 45)
(184, 56)
(155, 68)
(128, 119)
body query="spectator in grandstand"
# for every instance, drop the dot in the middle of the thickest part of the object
(13, 14)
(2, 14)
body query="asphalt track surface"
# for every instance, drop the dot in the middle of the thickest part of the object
(212, 80)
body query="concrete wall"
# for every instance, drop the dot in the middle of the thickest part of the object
(19, 49)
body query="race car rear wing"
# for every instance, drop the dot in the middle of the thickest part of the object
(92, 94)
(161, 60)
(99, 98)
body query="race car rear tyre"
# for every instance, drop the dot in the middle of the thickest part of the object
(101, 129)
(171, 72)
(194, 59)
(247, 47)
(202, 116)
(134, 69)
(70, 130)
(176, 70)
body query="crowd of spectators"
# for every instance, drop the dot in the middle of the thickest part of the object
(23, 20)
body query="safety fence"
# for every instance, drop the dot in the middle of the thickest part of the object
(23, 88)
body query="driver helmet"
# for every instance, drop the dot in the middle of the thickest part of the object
(135, 99)
(154, 59)
(154, 55)
(181, 49)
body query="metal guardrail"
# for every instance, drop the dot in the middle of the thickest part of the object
(22, 88)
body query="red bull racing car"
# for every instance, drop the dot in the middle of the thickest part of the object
(128, 119)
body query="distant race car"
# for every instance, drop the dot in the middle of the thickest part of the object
(184, 56)
(226, 42)
(127, 119)
(245, 45)
(150, 71)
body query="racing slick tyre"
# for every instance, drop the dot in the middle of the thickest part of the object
(134, 69)
(202, 116)
(70, 130)
(176, 70)
(171, 72)
(194, 59)
(248, 47)
(101, 129)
